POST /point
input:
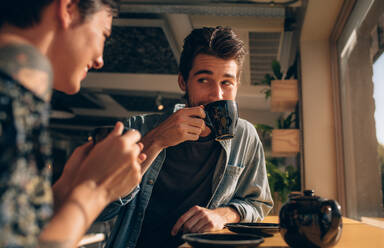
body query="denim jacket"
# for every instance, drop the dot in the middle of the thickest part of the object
(240, 181)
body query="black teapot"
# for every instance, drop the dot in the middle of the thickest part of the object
(307, 220)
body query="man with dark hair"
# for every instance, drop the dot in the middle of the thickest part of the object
(39, 39)
(196, 184)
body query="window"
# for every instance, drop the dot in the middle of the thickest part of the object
(355, 55)
(378, 94)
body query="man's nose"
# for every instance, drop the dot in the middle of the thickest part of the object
(217, 93)
(98, 63)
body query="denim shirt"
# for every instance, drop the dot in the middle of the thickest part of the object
(240, 181)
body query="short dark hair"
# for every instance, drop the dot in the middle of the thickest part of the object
(27, 13)
(220, 42)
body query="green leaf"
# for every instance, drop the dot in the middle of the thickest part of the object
(282, 179)
(264, 128)
(267, 94)
(276, 68)
(286, 123)
(268, 78)
(280, 123)
(292, 71)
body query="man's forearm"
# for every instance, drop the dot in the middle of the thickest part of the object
(151, 148)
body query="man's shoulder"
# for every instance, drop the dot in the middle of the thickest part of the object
(246, 130)
(245, 125)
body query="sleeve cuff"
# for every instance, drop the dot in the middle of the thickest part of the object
(122, 201)
(236, 207)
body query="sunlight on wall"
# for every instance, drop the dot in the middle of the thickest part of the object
(378, 94)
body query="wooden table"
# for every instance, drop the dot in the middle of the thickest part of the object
(355, 235)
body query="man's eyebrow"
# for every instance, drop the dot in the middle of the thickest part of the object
(230, 76)
(203, 72)
(211, 73)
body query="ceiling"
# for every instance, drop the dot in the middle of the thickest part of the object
(141, 58)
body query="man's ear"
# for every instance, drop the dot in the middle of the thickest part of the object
(67, 12)
(182, 84)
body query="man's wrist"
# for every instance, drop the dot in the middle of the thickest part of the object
(150, 141)
(230, 214)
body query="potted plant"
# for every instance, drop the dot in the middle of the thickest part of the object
(282, 180)
(286, 138)
(283, 88)
(265, 134)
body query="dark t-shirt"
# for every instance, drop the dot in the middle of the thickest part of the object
(185, 180)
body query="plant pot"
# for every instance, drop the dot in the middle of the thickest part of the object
(285, 142)
(284, 95)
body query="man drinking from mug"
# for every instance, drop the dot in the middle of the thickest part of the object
(195, 183)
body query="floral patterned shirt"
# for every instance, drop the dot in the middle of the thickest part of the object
(25, 149)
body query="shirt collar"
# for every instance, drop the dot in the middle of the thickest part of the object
(178, 106)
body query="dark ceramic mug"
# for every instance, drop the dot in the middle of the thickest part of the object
(100, 133)
(221, 118)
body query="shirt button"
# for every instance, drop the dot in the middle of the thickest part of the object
(150, 182)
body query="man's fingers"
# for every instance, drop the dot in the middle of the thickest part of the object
(196, 111)
(196, 122)
(177, 226)
(206, 227)
(202, 224)
(194, 223)
(201, 112)
(184, 218)
(194, 131)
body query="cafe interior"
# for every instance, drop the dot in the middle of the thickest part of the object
(319, 128)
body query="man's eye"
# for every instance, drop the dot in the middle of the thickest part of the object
(227, 83)
(202, 80)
